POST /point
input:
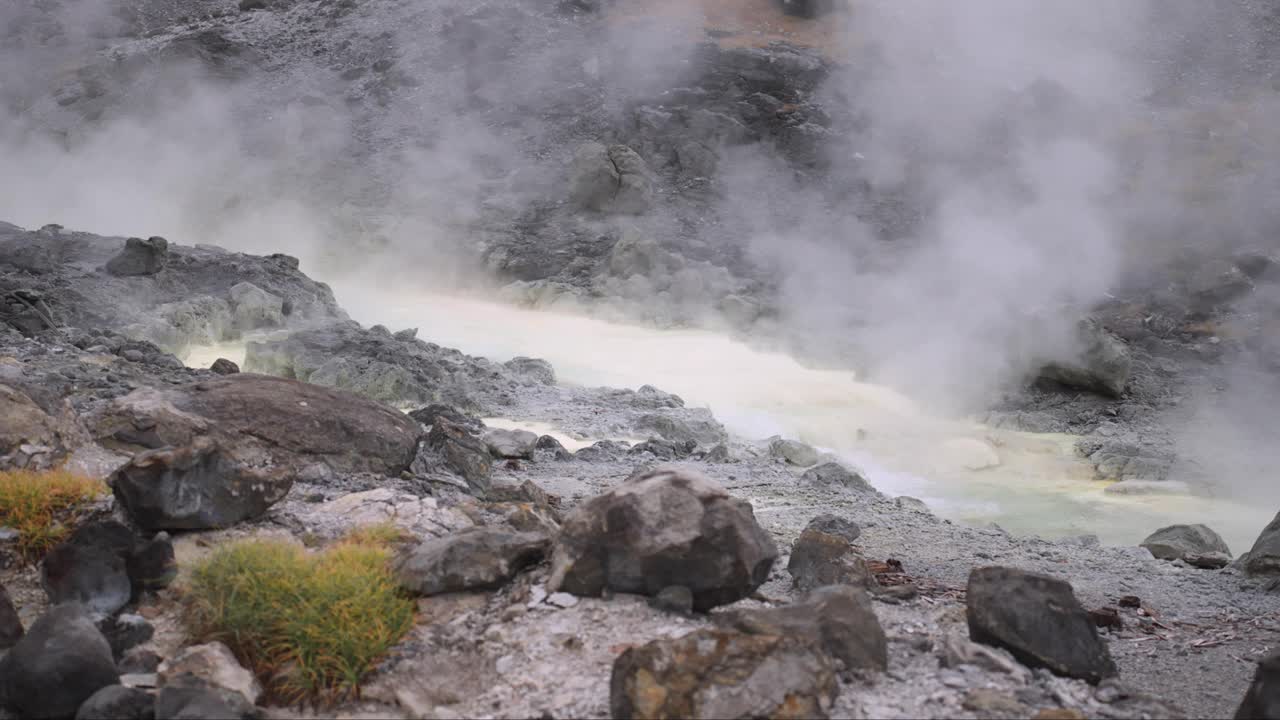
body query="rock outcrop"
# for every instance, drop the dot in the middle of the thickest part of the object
(720, 674)
(140, 257)
(1039, 620)
(661, 529)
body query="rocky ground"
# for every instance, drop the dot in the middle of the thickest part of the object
(520, 626)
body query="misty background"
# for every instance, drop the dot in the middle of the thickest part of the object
(988, 172)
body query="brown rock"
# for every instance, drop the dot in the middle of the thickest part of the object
(722, 674)
(30, 438)
(838, 618)
(820, 558)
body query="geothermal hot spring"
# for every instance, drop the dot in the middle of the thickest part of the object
(1025, 482)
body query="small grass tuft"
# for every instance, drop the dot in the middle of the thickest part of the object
(310, 625)
(42, 506)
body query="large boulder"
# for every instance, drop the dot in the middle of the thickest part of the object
(838, 618)
(196, 487)
(1102, 363)
(261, 422)
(118, 702)
(1262, 700)
(1179, 542)
(61, 662)
(723, 674)
(1264, 557)
(140, 257)
(661, 529)
(480, 558)
(11, 630)
(94, 576)
(1038, 619)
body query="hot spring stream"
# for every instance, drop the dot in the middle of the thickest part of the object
(1027, 483)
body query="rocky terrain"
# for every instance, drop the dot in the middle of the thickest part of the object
(681, 165)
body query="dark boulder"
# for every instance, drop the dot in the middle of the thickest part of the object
(196, 487)
(463, 453)
(1262, 700)
(835, 475)
(481, 558)
(510, 444)
(223, 366)
(663, 528)
(152, 564)
(823, 555)
(1039, 620)
(117, 702)
(429, 414)
(723, 674)
(94, 576)
(196, 701)
(140, 257)
(125, 632)
(61, 662)
(837, 618)
(11, 630)
(1102, 363)
(835, 525)
(1264, 557)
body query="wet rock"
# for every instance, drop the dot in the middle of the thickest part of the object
(1264, 557)
(475, 559)
(664, 528)
(211, 665)
(463, 453)
(1039, 620)
(820, 557)
(720, 674)
(297, 427)
(117, 702)
(1262, 700)
(837, 618)
(1177, 542)
(223, 366)
(255, 308)
(196, 487)
(510, 444)
(794, 452)
(536, 369)
(11, 630)
(835, 474)
(140, 257)
(1103, 364)
(194, 701)
(94, 576)
(61, 662)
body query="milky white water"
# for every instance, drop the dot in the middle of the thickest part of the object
(1025, 482)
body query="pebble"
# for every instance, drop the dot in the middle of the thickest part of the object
(562, 600)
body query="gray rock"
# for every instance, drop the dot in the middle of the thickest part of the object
(210, 665)
(61, 662)
(1177, 542)
(152, 564)
(820, 557)
(1264, 557)
(676, 599)
(194, 701)
(1039, 620)
(255, 308)
(197, 487)
(794, 452)
(510, 444)
(463, 453)
(835, 525)
(682, 431)
(831, 473)
(140, 257)
(94, 576)
(117, 702)
(1208, 561)
(635, 183)
(125, 632)
(480, 558)
(663, 528)
(837, 618)
(721, 674)
(1103, 364)
(11, 630)
(429, 415)
(1262, 700)
(536, 369)
(223, 366)
(610, 179)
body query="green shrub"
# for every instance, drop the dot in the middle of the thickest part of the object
(310, 625)
(42, 506)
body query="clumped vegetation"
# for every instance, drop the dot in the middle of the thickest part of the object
(311, 625)
(43, 506)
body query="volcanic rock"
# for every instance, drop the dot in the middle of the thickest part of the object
(823, 555)
(831, 473)
(1177, 542)
(118, 702)
(11, 630)
(794, 452)
(94, 576)
(480, 558)
(838, 618)
(663, 528)
(213, 665)
(61, 662)
(140, 257)
(1264, 557)
(223, 366)
(463, 453)
(1262, 700)
(722, 674)
(1103, 364)
(510, 444)
(1039, 620)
